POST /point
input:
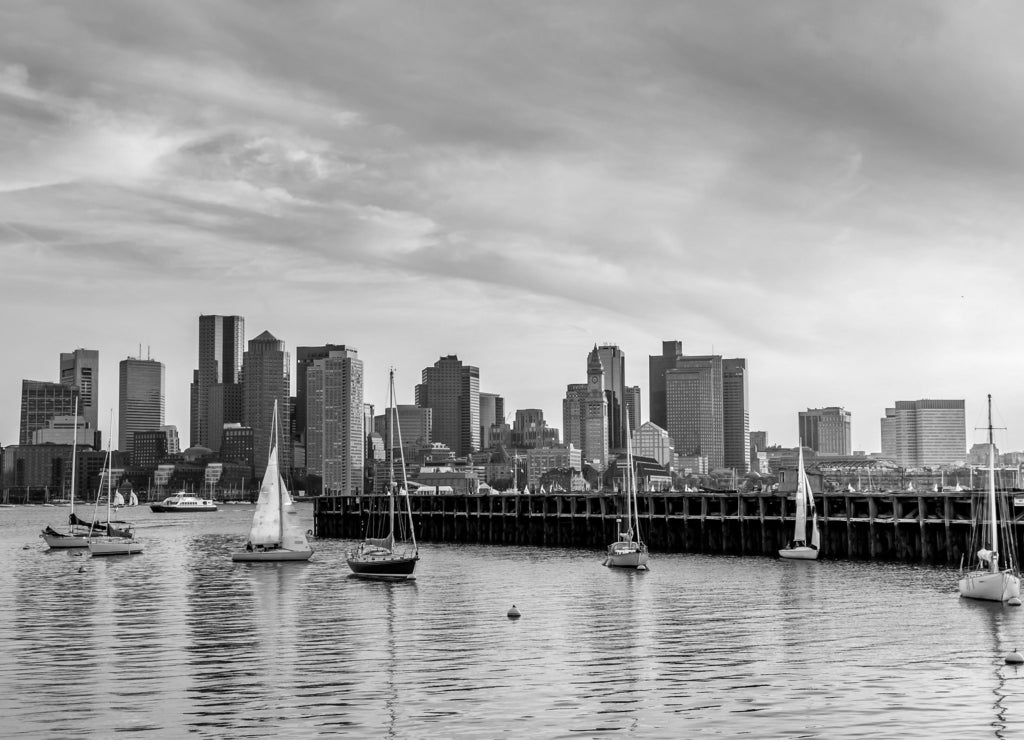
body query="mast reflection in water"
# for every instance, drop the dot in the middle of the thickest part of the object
(181, 641)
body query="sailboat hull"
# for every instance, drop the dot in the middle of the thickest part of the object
(271, 556)
(988, 586)
(798, 553)
(114, 547)
(626, 557)
(64, 541)
(383, 567)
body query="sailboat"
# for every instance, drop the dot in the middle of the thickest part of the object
(115, 541)
(798, 549)
(77, 534)
(628, 551)
(996, 577)
(275, 534)
(386, 553)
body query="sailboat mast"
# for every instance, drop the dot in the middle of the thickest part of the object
(993, 527)
(391, 453)
(74, 455)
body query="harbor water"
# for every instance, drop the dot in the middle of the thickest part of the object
(179, 641)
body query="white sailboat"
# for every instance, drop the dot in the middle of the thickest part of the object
(389, 550)
(628, 551)
(115, 541)
(798, 548)
(275, 534)
(77, 534)
(996, 577)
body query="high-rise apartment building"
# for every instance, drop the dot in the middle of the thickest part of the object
(925, 433)
(736, 415)
(613, 362)
(221, 348)
(140, 401)
(81, 368)
(335, 443)
(40, 403)
(452, 391)
(826, 430)
(266, 381)
(694, 407)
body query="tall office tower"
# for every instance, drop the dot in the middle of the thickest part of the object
(492, 411)
(573, 406)
(633, 410)
(335, 443)
(140, 401)
(266, 381)
(412, 433)
(614, 364)
(693, 405)
(925, 433)
(81, 368)
(658, 364)
(826, 430)
(41, 402)
(595, 414)
(304, 358)
(221, 346)
(452, 391)
(735, 415)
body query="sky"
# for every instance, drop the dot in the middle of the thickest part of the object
(831, 190)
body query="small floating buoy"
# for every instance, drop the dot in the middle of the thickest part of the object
(76, 554)
(81, 569)
(1015, 657)
(27, 547)
(1013, 601)
(513, 613)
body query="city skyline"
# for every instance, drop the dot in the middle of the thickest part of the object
(829, 191)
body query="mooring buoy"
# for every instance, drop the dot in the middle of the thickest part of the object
(1013, 601)
(513, 613)
(81, 569)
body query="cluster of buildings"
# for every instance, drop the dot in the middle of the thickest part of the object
(454, 437)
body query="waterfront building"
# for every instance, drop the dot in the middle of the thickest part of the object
(149, 448)
(633, 408)
(45, 466)
(81, 368)
(652, 441)
(266, 381)
(492, 411)
(927, 432)
(826, 430)
(140, 405)
(335, 439)
(691, 464)
(452, 391)
(735, 415)
(540, 460)
(237, 446)
(221, 349)
(40, 403)
(595, 414)
(693, 400)
(64, 430)
(613, 363)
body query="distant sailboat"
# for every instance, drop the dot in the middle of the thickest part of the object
(275, 535)
(798, 549)
(116, 541)
(996, 577)
(77, 534)
(389, 550)
(629, 550)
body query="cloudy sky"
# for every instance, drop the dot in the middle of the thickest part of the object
(832, 190)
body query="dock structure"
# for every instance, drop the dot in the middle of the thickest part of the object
(932, 528)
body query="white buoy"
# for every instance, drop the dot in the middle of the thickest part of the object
(1013, 601)
(1015, 657)
(513, 613)
(27, 547)
(81, 569)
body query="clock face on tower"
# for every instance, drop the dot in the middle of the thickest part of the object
(593, 378)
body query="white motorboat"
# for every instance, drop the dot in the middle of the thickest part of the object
(184, 501)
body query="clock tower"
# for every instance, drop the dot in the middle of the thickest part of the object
(595, 414)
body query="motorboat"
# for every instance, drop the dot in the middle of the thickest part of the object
(184, 501)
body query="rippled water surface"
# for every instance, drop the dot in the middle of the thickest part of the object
(181, 641)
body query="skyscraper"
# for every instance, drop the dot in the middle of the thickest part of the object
(658, 364)
(304, 358)
(573, 407)
(633, 408)
(613, 362)
(452, 391)
(81, 367)
(595, 414)
(333, 392)
(266, 380)
(221, 346)
(826, 430)
(693, 405)
(492, 411)
(923, 433)
(140, 405)
(41, 402)
(736, 415)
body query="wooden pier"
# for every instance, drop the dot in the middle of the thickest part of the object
(933, 528)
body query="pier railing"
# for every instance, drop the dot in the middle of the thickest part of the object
(930, 528)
